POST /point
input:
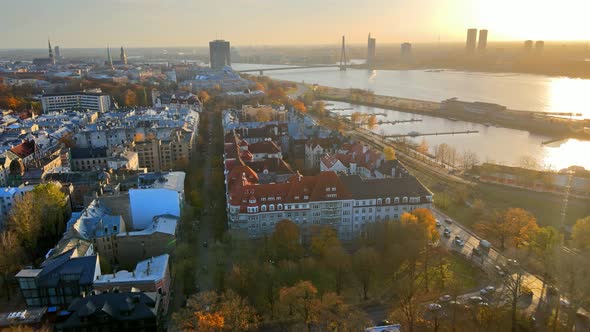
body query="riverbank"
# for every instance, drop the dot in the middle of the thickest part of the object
(533, 122)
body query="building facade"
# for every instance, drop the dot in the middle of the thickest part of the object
(82, 100)
(219, 54)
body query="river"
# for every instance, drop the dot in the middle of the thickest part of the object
(500, 145)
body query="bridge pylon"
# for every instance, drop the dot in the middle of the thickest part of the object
(343, 55)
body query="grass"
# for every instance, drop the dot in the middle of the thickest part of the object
(546, 207)
(465, 274)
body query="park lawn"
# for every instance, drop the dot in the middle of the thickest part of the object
(546, 207)
(465, 274)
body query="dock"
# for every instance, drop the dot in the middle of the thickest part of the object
(416, 134)
(397, 121)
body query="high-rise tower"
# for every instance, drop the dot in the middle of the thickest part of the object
(219, 54)
(471, 40)
(483, 40)
(123, 56)
(371, 50)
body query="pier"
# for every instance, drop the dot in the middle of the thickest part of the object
(398, 121)
(416, 134)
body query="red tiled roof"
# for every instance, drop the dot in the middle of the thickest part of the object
(24, 149)
(268, 147)
(299, 189)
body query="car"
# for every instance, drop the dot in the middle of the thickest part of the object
(564, 303)
(487, 290)
(459, 242)
(438, 223)
(501, 272)
(475, 299)
(205, 244)
(434, 307)
(449, 221)
(445, 298)
(447, 234)
(476, 252)
(512, 262)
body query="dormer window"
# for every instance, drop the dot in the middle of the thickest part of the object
(327, 189)
(271, 207)
(252, 200)
(379, 201)
(405, 200)
(305, 197)
(333, 188)
(296, 198)
(279, 207)
(396, 200)
(388, 200)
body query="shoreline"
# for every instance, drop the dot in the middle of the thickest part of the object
(551, 127)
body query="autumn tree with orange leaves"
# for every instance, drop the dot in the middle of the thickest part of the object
(515, 226)
(372, 121)
(209, 311)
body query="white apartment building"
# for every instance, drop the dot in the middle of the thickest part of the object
(82, 100)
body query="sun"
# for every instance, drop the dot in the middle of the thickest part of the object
(534, 19)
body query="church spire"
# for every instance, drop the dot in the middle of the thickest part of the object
(51, 57)
(123, 56)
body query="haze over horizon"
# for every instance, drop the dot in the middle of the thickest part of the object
(170, 23)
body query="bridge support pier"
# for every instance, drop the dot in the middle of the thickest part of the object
(260, 72)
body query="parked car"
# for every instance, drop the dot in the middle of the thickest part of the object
(434, 307)
(438, 223)
(487, 290)
(476, 252)
(501, 272)
(449, 221)
(459, 242)
(512, 262)
(205, 244)
(475, 299)
(445, 298)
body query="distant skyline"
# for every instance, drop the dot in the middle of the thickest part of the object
(169, 23)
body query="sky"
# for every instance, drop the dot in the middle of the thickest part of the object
(167, 23)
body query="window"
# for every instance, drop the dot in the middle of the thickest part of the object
(280, 207)
(396, 200)
(263, 208)
(405, 200)
(271, 207)
(379, 201)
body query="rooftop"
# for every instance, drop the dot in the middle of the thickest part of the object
(149, 270)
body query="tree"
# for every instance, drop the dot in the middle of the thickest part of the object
(285, 242)
(24, 219)
(319, 108)
(130, 98)
(325, 239)
(300, 302)
(204, 97)
(338, 262)
(336, 315)
(299, 106)
(581, 234)
(208, 311)
(469, 159)
(389, 153)
(423, 147)
(515, 225)
(355, 117)
(372, 121)
(364, 266)
(11, 259)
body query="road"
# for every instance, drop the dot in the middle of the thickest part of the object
(205, 259)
